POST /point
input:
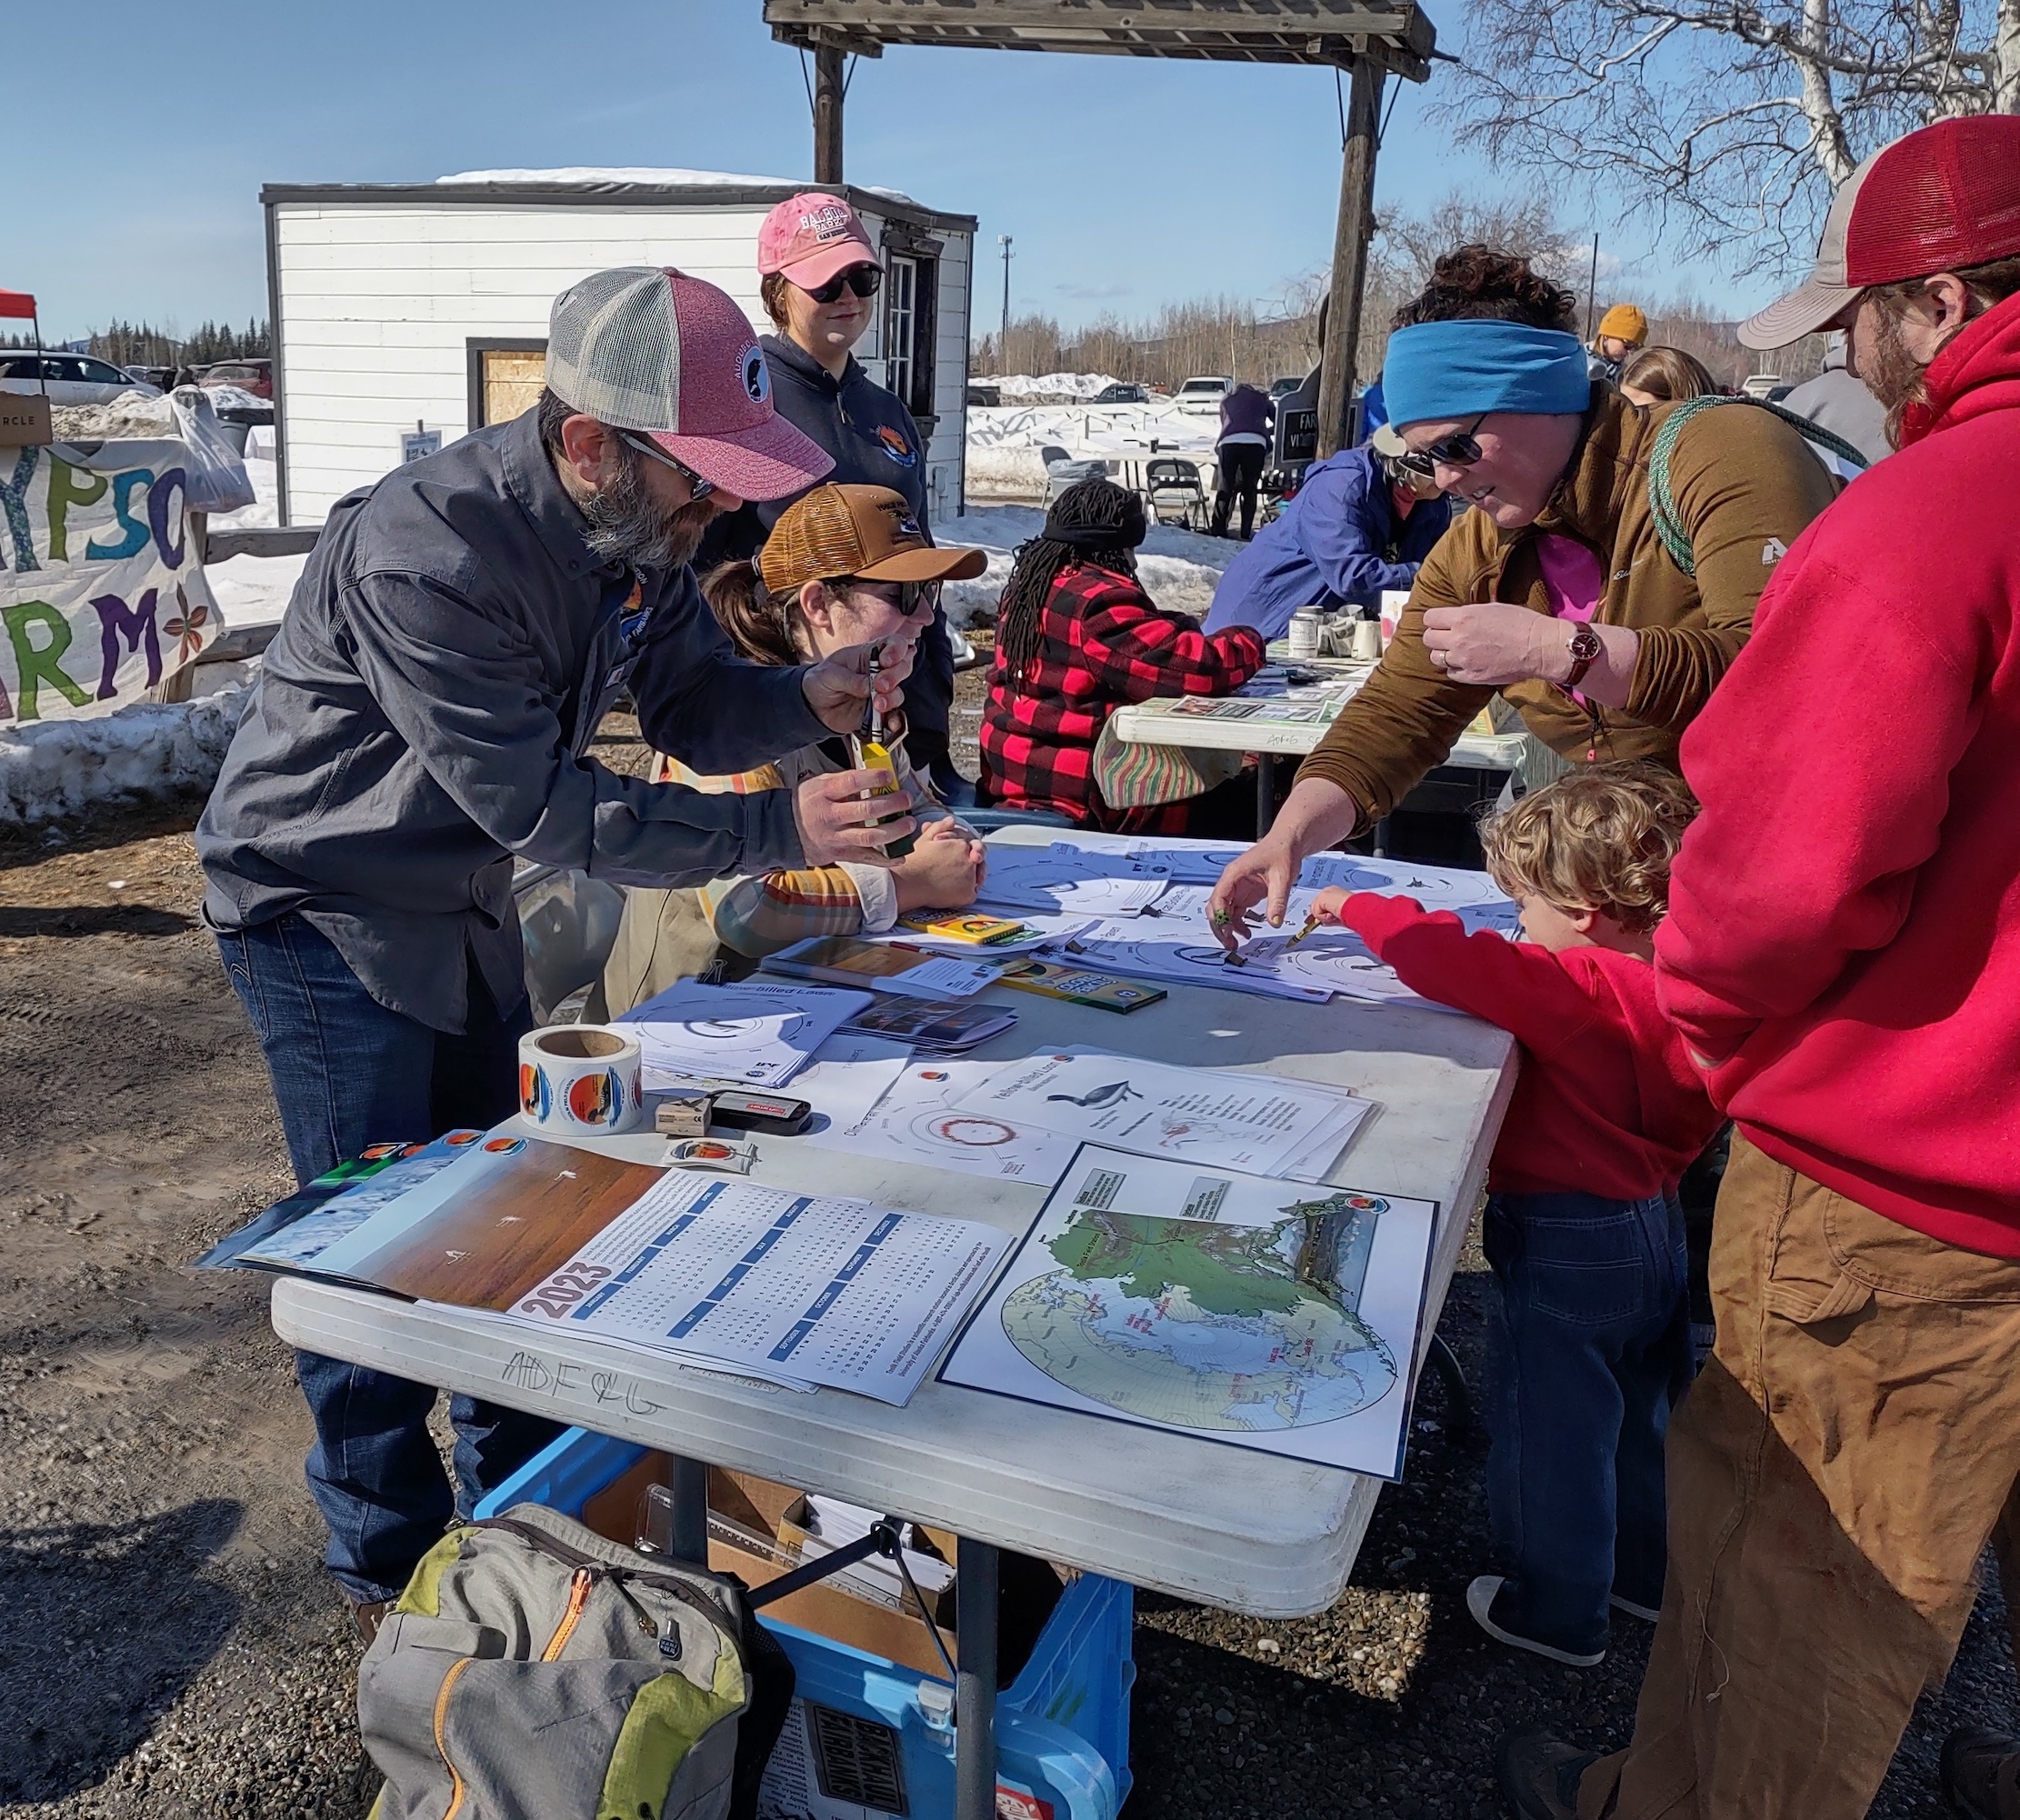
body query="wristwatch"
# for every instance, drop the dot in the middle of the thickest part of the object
(1586, 650)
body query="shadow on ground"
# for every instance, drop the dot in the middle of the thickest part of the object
(102, 1627)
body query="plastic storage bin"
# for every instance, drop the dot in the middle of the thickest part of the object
(1062, 1724)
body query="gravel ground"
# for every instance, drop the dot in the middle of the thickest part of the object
(171, 1647)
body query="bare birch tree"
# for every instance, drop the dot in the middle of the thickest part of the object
(1728, 121)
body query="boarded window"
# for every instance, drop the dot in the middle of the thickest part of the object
(506, 377)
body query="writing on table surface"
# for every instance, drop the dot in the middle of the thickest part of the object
(529, 1371)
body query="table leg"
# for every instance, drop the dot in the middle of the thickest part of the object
(690, 1483)
(1381, 838)
(975, 1694)
(1266, 793)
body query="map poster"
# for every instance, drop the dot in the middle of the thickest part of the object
(1267, 1314)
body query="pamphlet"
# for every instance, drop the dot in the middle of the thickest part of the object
(757, 1033)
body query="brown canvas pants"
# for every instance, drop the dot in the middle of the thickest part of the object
(1833, 1476)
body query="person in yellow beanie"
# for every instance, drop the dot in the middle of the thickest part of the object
(1622, 330)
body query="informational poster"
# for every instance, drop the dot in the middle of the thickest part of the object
(102, 593)
(1222, 1307)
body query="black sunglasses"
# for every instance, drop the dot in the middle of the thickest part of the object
(698, 487)
(1458, 449)
(863, 280)
(912, 595)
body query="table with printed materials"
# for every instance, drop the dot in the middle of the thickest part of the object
(1282, 724)
(1255, 1532)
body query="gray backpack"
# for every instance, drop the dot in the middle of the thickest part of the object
(534, 1671)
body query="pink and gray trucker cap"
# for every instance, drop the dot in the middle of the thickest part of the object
(1943, 197)
(648, 348)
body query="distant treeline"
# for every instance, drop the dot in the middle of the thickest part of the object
(139, 345)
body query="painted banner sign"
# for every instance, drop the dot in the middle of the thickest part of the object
(101, 592)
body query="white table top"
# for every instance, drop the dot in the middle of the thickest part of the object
(1254, 1532)
(1153, 722)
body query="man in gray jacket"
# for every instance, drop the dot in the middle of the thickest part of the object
(424, 716)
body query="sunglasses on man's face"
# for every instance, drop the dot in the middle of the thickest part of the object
(863, 280)
(1456, 449)
(698, 487)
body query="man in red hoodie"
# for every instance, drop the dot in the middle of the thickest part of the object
(1842, 955)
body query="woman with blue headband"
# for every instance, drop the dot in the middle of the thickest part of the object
(1559, 589)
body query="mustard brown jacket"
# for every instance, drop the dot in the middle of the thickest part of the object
(1745, 485)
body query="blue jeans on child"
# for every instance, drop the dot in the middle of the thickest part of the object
(1589, 1346)
(348, 1073)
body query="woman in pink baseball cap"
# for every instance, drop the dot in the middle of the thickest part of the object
(820, 282)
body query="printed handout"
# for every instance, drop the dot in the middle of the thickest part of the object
(1213, 1305)
(919, 1119)
(760, 1033)
(1210, 1116)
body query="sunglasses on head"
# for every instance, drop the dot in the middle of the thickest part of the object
(863, 280)
(698, 487)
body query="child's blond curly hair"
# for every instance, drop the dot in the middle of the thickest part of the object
(1601, 837)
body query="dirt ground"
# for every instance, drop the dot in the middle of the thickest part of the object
(171, 1646)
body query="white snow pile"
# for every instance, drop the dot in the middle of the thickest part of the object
(665, 178)
(1051, 385)
(135, 416)
(1004, 441)
(1178, 569)
(57, 768)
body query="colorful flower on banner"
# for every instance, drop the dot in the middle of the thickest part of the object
(188, 627)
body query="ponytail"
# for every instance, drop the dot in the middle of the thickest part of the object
(757, 621)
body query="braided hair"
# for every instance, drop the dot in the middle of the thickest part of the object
(1092, 522)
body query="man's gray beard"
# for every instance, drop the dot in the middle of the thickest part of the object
(626, 527)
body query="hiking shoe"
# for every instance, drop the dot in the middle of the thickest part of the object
(1980, 1773)
(1540, 1775)
(1479, 1601)
(1648, 1614)
(369, 1618)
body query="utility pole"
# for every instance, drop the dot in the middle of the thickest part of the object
(827, 114)
(1350, 242)
(1002, 339)
(1592, 288)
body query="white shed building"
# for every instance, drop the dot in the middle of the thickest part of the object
(400, 308)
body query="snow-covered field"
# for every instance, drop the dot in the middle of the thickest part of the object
(1179, 569)
(1004, 441)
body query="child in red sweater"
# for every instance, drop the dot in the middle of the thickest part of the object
(1584, 1231)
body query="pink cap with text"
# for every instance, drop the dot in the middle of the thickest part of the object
(811, 237)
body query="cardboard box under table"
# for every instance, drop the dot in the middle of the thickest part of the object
(1185, 1514)
(871, 1730)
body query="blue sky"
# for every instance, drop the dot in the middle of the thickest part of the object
(1125, 184)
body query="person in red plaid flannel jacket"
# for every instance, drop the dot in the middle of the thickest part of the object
(1078, 638)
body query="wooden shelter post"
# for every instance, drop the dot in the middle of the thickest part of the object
(1351, 236)
(828, 113)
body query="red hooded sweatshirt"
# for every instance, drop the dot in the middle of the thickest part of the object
(1607, 1101)
(1843, 944)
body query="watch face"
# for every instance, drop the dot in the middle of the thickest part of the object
(1585, 644)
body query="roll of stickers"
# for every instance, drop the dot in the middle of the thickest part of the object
(581, 1080)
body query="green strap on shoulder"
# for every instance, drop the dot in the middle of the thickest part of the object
(1662, 501)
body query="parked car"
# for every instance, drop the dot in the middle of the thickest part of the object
(1200, 395)
(1121, 394)
(69, 378)
(255, 377)
(1764, 385)
(985, 398)
(157, 377)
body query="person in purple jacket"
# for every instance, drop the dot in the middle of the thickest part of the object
(1246, 419)
(1362, 522)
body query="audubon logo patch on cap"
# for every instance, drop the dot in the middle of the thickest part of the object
(909, 527)
(757, 376)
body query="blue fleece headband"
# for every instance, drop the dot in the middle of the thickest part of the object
(1460, 369)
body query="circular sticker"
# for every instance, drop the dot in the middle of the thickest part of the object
(757, 376)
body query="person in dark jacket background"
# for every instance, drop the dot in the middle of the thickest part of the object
(820, 283)
(1362, 522)
(1246, 419)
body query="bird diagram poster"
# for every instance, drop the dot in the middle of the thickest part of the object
(920, 1118)
(1263, 1313)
